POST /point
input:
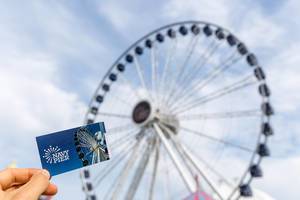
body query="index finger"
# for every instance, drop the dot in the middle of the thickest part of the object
(14, 175)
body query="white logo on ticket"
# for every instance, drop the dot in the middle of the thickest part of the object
(54, 155)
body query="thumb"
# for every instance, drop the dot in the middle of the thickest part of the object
(37, 185)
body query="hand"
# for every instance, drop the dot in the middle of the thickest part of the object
(25, 184)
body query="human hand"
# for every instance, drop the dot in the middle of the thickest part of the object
(25, 184)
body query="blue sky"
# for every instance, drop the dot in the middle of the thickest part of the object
(53, 54)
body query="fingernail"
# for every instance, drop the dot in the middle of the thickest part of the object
(46, 173)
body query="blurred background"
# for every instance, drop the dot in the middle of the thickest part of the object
(54, 53)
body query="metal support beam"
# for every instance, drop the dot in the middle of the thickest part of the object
(154, 171)
(185, 175)
(193, 159)
(138, 175)
(125, 171)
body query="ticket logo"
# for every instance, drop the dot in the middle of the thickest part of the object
(55, 155)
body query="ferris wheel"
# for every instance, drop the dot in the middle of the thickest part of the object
(185, 107)
(91, 149)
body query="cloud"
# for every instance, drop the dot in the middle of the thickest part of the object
(51, 61)
(119, 16)
(214, 11)
(281, 178)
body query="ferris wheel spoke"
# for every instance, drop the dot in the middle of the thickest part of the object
(203, 58)
(89, 153)
(116, 148)
(217, 71)
(169, 74)
(200, 63)
(125, 171)
(141, 75)
(187, 156)
(84, 146)
(107, 114)
(114, 162)
(195, 89)
(120, 140)
(126, 82)
(120, 146)
(112, 185)
(217, 140)
(109, 192)
(183, 68)
(121, 100)
(157, 65)
(189, 78)
(118, 129)
(185, 175)
(169, 57)
(138, 175)
(201, 171)
(229, 89)
(222, 115)
(154, 170)
(123, 139)
(210, 167)
(175, 74)
(154, 63)
(121, 129)
(167, 178)
(84, 141)
(213, 96)
(94, 157)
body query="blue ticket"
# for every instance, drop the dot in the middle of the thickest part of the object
(73, 148)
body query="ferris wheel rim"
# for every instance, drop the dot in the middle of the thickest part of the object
(140, 40)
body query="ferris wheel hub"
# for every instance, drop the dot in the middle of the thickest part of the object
(142, 112)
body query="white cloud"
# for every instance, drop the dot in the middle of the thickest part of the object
(32, 103)
(119, 16)
(283, 75)
(214, 11)
(281, 178)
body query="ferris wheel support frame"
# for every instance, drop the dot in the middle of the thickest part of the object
(125, 172)
(185, 175)
(138, 175)
(154, 172)
(193, 159)
(196, 163)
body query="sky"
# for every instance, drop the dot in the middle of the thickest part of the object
(54, 53)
